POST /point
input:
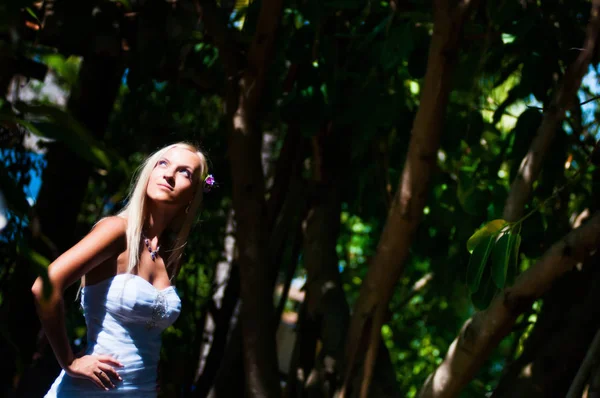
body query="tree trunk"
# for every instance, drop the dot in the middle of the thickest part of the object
(327, 312)
(594, 386)
(58, 204)
(218, 317)
(231, 368)
(407, 207)
(258, 331)
(324, 315)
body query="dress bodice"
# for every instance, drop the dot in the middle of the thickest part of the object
(125, 316)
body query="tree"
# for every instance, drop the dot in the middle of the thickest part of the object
(409, 201)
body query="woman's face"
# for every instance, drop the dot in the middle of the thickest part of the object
(174, 178)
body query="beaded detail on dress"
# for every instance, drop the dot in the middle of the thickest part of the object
(159, 310)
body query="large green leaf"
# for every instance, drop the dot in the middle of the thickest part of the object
(516, 93)
(513, 265)
(503, 258)
(484, 296)
(489, 229)
(478, 261)
(52, 122)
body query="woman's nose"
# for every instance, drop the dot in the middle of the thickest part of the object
(168, 176)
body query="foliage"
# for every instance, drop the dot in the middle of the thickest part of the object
(361, 69)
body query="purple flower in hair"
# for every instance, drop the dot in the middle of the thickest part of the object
(209, 181)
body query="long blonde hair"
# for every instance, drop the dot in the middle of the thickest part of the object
(135, 210)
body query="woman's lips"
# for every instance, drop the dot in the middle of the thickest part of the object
(165, 187)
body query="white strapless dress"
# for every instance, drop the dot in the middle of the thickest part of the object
(125, 316)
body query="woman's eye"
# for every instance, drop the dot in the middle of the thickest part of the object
(162, 162)
(187, 173)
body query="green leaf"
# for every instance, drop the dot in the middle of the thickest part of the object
(67, 68)
(513, 264)
(484, 296)
(52, 122)
(478, 261)
(488, 230)
(503, 258)
(30, 12)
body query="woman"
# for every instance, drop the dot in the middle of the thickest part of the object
(126, 264)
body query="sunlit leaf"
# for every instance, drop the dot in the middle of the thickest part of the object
(484, 232)
(507, 38)
(30, 12)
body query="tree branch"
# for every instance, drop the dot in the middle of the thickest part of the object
(407, 207)
(520, 190)
(484, 331)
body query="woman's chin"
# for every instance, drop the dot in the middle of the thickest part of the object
(162, 199)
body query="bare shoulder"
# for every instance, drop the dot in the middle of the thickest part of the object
(113, 222)
(110, 229)
(106, 240)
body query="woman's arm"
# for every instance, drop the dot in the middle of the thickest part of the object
(106, 240)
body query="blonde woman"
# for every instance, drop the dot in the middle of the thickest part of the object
(127, 264)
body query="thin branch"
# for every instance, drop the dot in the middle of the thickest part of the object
(590, 100)
(580, 104)
(417, 287)
(591, 359)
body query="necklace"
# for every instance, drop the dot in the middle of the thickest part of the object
(153, 253)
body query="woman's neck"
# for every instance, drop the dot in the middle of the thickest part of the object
(157, 220)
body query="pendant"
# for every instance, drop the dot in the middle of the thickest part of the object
(153, 253)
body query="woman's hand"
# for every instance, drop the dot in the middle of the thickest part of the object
(97, 368)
